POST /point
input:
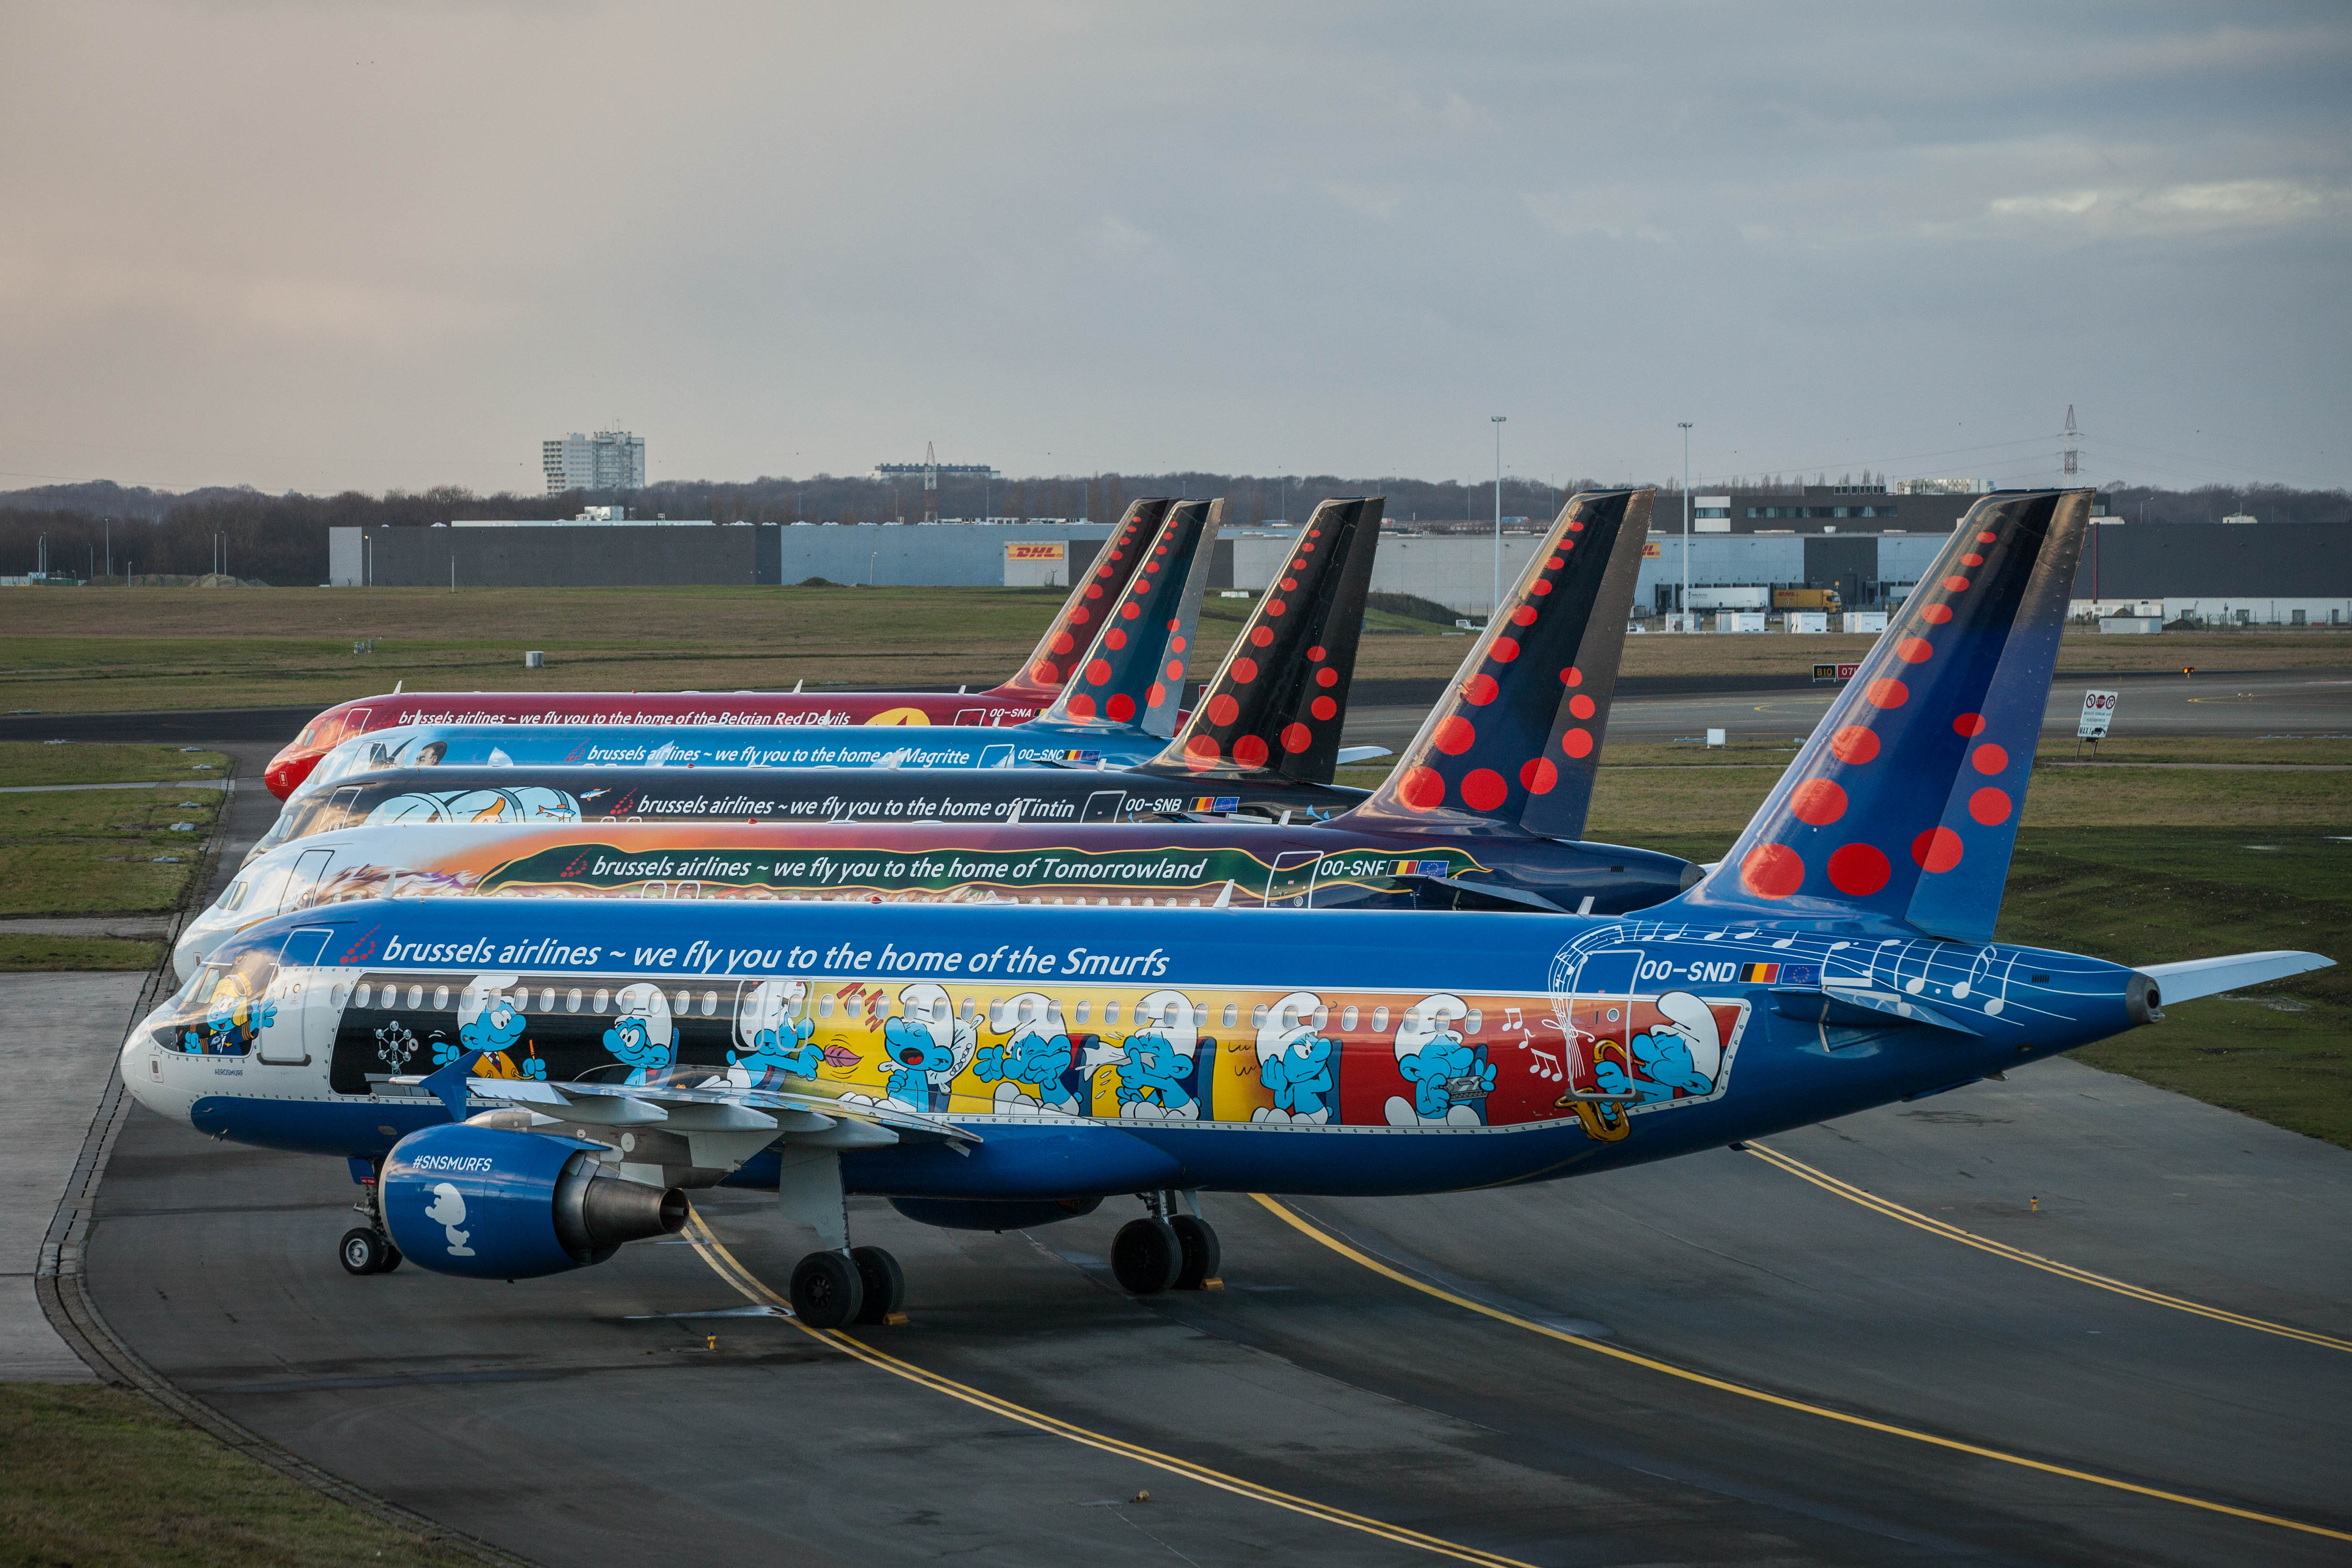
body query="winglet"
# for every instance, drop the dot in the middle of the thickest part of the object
(1123, 678)
(1049, 664)
(1514, 746)
(1276, 704)
(1902, 808)
(447, 1083)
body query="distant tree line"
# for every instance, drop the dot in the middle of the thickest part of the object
(283, 539)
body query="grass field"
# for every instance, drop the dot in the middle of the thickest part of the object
(114, 649)
(35, 953)
(101, 1478)
(101, 851)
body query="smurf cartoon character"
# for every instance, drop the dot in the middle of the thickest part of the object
(642, 1036)
(771, 1041)
(447, 1210)
(1445, 1071)
(234, 1018)
(1298, 1064)
(1679, 1056)
(928, 1047)
(1155, 1076)
(1036, 1054)
(489, 1021)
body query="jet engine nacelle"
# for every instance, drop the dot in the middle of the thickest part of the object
(988, 1214)
(513, 1206)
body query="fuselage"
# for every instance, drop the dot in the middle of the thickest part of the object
(449, 795)
(1010, 704)
(1034, 745)
(1110, 1050)
(1341, 864)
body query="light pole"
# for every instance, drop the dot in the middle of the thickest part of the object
(1497, 602)
(1685, 605)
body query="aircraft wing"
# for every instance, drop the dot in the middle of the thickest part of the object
(2195, 977)
(699, 1101)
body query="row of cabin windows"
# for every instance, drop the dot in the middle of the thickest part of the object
(392, 994)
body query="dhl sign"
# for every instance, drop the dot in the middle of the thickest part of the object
(1035, 550)
(1649, 550)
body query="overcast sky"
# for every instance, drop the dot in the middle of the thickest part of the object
(327, 247)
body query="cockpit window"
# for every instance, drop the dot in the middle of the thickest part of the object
(219, 1012)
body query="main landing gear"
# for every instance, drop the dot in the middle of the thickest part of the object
(1172, 1249)
(368, 1248)
(840, 1284)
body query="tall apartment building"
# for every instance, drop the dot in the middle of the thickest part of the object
(608, 460)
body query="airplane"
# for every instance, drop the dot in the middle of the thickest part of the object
(1520, 731)
(1007, 1068)
(1300, 648)
(1119, 706)
(1027, 693)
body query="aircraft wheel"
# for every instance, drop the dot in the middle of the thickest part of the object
(363, 1251)
(884, 1281)
(391, 1258)
(1198, 1240)
(1145, 1256)
(826, 1290)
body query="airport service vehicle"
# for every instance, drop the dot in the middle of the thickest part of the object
(1280, 700)
(1118, 707)
(523, 1088)
(1027, 693)
(1483, 811)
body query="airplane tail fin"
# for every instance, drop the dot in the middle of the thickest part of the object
(1276, 704)
(1902, 807)
(1514, 742)
(1133, 670)
(1041, 674)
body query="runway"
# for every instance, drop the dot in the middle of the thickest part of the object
(1817, 1379)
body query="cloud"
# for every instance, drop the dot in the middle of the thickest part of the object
(2212, 207)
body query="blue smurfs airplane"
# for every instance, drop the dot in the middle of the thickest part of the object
(1119, 708)
(1004, 1067)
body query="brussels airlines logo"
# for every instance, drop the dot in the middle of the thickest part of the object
(577, 752)
(447, 1210)
(362, 946)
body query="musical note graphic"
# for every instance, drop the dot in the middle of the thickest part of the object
(1547, 1067)
(1512, 1020)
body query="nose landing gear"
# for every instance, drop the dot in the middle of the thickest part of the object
(368, 1248)
(1172, 1248)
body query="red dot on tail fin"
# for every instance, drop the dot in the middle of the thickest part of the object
(1817, 801)
(1082, 705)
(1938, 849)
(1244, 671)
(1915, 650)
(1505, 650)
(1772, 872)
(1454, 735)
(1296, 737)
(1989, 806)
(1537, 775)
(1583, 707)
(1479, 690)
(1858, 870)
(1323, 707)
(1989, 758)
(1571, 676)
(1886, 694)
(1121, 708)
(1577, 742)
(1853, 744)
(1955, 584)
(1202, 751)
(1969, 724)
(1421, 790)
(1251, 750)
(1223, 709)
(1098, 671)
(1484, 789)
(1935, 614)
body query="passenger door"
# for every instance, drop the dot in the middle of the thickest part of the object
(1291, 884)
(1599, 1004)
(305, 1011)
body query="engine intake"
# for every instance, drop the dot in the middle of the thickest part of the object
(491, 1203)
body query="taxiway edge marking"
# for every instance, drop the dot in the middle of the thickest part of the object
(1950, 1232)
(731, 1269)
(1315, 1234)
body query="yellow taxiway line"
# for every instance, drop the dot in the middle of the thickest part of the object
(731, 1269)
(1322, 1237)
(1896, 1211)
